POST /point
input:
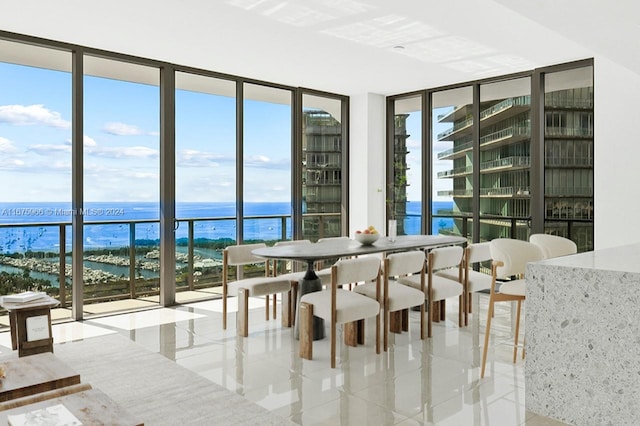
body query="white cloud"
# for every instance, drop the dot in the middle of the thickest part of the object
(24, 115)
(88, 141)
(262, 161)
(6, 146)
(194, 158)
(44, 149)
(122, 129)
(11, 164)
(125, 151)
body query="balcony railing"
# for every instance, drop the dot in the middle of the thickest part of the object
(126, 265)
(507, 103)
(458, 148)
(456, 127)
(568, 161)
(506, 162)
(458, 171)
(509, 132)
(568, 131)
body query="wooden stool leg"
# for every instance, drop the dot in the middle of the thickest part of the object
(430, 318)
(486, 337)
(306, 331)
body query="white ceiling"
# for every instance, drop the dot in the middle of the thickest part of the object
(344, 46)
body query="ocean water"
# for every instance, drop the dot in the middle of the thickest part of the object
(42, 223)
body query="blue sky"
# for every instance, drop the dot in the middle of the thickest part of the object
(121, 141)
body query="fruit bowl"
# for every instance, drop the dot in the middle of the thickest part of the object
(367, 239)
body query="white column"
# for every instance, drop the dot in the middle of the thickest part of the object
(367, 162)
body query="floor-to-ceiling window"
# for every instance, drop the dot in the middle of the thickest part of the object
(322, 167)
(568, 155)
(35, 169)
(121, 180)
(404, 191)
(205, 177)
(451, 167)
(505, 159)
(267, 142)
(513, 161)
(235, 179)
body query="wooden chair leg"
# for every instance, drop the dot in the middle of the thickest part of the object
(274, 306)
(243, 313)
(360, 331)
(286, 309)
(224, 309)
(405, 319)
(486, 336)
(515, 345)
(306, 331)
(395, 322)
(430, 318)
(422, 321)
(377, 333)
(443, 310)
(435, 313)
(333, 342)
(350, 331)
(294, 302)
(461, 310)
(386, 326)
(266, 308)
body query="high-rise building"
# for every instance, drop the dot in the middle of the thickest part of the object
(505, 190)
(322, 175)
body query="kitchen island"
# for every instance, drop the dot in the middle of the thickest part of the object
(583, 337)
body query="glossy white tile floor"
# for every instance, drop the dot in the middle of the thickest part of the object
(431, 382)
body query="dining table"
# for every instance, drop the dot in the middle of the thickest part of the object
(340, 248)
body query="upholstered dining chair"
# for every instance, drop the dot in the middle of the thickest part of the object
(510, 258)
(240, 255)
(553, 245)
(339, 306)
(290, 303)
(397, 298)
(440, 288)
(473, 281)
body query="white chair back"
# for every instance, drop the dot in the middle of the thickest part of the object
(241, 254)
(446, 257)
(478, 252)
(291, 243)
(364, 268)
(514, 255)
(553, 245)
(404, 263)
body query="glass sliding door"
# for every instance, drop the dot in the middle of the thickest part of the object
(505, 159)
(452, 161)
(568, 160)
(121, 181)
(404, 196)
(322, 160)
(267, 149)
(35, 168)
(205, 177)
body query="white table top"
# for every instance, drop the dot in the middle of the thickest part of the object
(343, 247)
(619, 259)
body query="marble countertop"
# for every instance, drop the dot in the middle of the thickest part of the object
(619, 259)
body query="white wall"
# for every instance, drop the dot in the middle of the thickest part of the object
(367, 162)
(617, 154)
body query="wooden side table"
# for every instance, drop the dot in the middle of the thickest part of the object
(31, 325)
